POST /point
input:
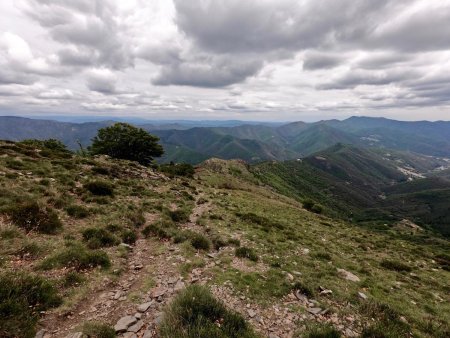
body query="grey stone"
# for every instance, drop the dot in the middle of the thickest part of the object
(147, 334)
(348, 275)
(179, 286)
(144, 307)
(314, 310)
(76, 335)
(124, 323)
(251, 313)
(40, 334)
(136, 327)
(301, 296)
(158, 292)
(362, 295)
(129, 335)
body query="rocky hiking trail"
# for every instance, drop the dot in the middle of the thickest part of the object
(112, 301)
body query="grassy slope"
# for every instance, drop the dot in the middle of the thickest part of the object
(365, 185)
(332, 244)
(280, 240)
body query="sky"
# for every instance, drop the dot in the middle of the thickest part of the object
(267, 60)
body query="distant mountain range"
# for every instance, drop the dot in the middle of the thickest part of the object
(193, 141)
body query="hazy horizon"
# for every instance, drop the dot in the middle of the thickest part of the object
(119, 118)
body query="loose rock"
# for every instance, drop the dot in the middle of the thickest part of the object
(124, 323)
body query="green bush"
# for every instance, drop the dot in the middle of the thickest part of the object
(100, 188)
(265, 223)
(179, 215)
(128, 236)
(77, 211)
(78, 257)
(98, 330)
(395, 265)
(179, 169)
(136, 218)
(312, 206)
(124, 141)
(99, 237)
(244, 252)
(218, 242)
(195, 313)
(234, 242)
(72, 278)
(165, 230)
(30, 216)
(22, 297)
(200, 242)
(51, 144)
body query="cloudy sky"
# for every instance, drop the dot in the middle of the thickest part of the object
(226, 59)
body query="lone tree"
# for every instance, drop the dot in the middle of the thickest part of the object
(124, 141)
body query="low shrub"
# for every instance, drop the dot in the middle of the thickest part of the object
(395, 265)
(235, 242)
(99, 237)
(218, 242)
(179, 169)
(179, 215)
(312, 206)
(200, 242)
(196, 313)
(77, 211)
(78, 257)
(100, 188)
(98, 330)
(265, 223)
(136, 218)
(72, 278)
(128, 236)
(245, 252)
(322, 255)
(22, 297)
(30, 216)
(164, 230)
(30, 249)
(100, 170)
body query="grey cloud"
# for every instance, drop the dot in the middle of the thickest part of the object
(357, 77)
(427, 28)
(208, 72)
(89, 27)
(243, 26)
(322, 60)
(102, 81)
(383, 60)
(163, 54)
(10, 77)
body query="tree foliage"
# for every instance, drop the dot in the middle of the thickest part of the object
(124, 141)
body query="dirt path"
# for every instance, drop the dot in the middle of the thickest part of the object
(152, 265)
